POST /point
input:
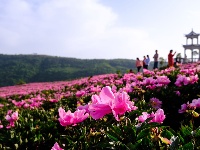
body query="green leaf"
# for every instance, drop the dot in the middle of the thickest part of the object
(167, 134)
(117, 130)
(131, 146)
(112, 137)
(35, 139)
(188, 146)
(197, 134)
(186, 130)
(143, 133)
(172, 131)
(146, 124)
(20, 140)
(181, 138)
(130, 132)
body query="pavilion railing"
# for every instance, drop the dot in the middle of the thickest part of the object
(186, 60)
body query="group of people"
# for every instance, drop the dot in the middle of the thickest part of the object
(146, 61)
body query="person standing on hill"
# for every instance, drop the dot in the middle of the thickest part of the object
(155, 60)
(170, 58)
(138, 64)
(147, 61)
(144, 63)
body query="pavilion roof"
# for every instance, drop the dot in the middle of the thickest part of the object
(191, 34)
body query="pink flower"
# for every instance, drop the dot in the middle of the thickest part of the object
(95, 89)
(26, 105)
(149, 81)
(108, 102)
(65, 118)
(68, 118)
(155, 103)
(114, 89)
(80, 93)
(129, 87)
(194, 79)
(12, 117)
(79, 116)
(53, 100)
(159, 116)
(148, 72)
(106, 95)
(178, 93)
(196, 102)
(9, 112)
(85, 107)
(182, 80)
(164, 80)
(183, 108)
(100, 105)
(56, 147)
(98, 111)
(121, 104)
(11, 124)
(143, 117)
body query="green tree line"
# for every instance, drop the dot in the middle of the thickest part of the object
(19, 69)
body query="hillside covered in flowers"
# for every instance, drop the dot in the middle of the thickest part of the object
(156, 109)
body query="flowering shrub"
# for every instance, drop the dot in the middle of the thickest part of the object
(67, 119)
(158, 109)
(11, 118)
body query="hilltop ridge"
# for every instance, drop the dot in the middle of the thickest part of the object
(18, 69)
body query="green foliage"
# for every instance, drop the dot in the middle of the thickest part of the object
(20, 82)
(40, 68)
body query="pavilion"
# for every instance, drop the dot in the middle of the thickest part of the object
(192, 44)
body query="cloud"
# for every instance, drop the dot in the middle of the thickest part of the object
(68, 28)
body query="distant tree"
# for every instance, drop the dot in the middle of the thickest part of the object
(20, 82)
(178, 55)
(162, 61)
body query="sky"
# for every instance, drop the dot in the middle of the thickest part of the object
(97, 29)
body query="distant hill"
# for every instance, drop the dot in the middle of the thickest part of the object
(18, 69)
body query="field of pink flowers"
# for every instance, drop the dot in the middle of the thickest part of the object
(151, 110)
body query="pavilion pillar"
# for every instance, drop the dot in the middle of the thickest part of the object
(184, 60)
(199, 55)
(192, 55)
